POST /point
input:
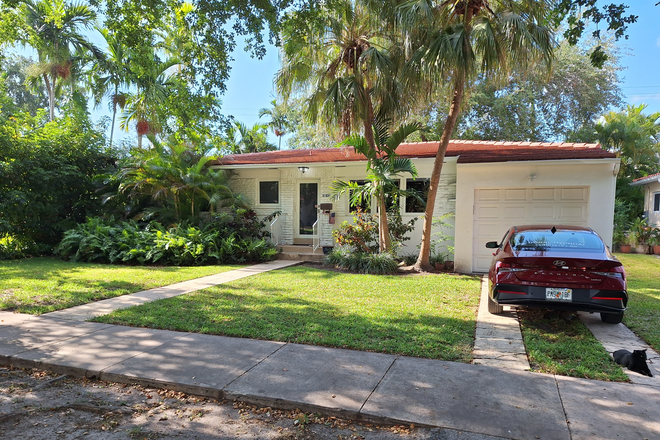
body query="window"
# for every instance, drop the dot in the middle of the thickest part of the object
(269, 192)
(365, 203)
(421, 188)
(656, 202)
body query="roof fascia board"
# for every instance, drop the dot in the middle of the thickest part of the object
(604, 160)
(451, 159)
(646, 181)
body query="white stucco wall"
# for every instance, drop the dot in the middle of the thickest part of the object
(649, 191)
(598, 175)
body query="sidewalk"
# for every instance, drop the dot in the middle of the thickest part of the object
(474, 400)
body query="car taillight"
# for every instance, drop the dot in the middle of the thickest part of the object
(502, 267)
(613, 272)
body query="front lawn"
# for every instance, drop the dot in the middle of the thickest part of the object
(41, 285)
(643, 313)
(431, 316)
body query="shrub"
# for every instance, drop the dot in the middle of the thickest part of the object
(362, 235)
(131, 243)
(363, 262)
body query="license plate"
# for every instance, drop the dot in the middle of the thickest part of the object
(554, 294)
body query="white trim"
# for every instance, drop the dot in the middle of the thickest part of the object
(319, 164)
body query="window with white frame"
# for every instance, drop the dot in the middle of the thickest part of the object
(656, 202)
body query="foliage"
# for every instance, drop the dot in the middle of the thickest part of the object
(537, 106)
(383, 169)
(441, 239)
(362, 235)
(20, 97)
(131, 243)
(169, 182)
(634, 137)
(12, 248)
(46, 175)
(241, 139)
(279, 121)
(382, 263)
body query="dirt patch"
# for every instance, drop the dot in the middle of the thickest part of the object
(37, 405)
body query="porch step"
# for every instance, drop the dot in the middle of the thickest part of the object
(300, 253)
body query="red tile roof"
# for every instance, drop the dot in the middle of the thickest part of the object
(647, 179)
(466, 151)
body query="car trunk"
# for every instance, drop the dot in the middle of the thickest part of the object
(555, 269)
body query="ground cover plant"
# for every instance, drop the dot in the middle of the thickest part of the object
(643, 313)
(430, 316)
(557, 342)
(41, 285)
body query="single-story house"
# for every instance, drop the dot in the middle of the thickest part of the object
(651, 185)
(489, 186)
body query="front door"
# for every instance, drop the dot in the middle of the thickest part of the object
(308, 196)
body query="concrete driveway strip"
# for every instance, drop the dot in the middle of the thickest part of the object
(309, 377)
(600, 410)
(103, 307)
(20, 333)
(473, 398)
(193, 363)
(616, 337)
(89, 354)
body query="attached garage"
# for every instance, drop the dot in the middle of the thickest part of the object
(496, 209)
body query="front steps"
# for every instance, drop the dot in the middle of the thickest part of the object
(300, 252)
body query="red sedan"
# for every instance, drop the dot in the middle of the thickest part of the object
(557, 267)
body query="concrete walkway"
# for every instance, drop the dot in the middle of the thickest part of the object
(498, 341)
(474, 399)
(103, 307)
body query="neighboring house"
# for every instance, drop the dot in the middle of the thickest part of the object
(651, 185)
(488, 185)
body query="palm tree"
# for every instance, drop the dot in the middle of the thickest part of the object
(346, 67)
(111, 74)
(460, 39)
(383, 169)
(241, 139)
(54, 31)
(155, 81)
(279, 122)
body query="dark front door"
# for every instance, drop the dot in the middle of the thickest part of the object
(308, 202)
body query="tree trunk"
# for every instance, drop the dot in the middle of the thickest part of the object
(385, 241)
(423, 262)
(50, 89)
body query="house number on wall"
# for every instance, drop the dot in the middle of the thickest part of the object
(325, 195)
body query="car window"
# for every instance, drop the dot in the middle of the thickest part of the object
(577, 241)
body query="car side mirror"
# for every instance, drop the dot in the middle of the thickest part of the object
(492, 245)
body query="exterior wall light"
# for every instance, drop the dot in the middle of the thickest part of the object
(303, 169)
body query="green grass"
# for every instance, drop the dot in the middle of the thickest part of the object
(41, 285)
(643, 313)
(559, 343)
(431, 316)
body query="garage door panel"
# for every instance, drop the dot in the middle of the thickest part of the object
(520, 206)
(515, 194)
(574, 194)
(544, 194)
(489, 194)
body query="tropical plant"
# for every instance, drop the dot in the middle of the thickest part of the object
(376, 264)
(459, 39)
(241, 139)
(345, 65)
(279, 121)
(177, 179)
(383, 169)
(54, 29)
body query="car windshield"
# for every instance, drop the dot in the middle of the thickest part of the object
(578, 241)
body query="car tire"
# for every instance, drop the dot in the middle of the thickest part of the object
(493, 307)
(611, 318)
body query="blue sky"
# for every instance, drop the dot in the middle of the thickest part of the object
(250, 87)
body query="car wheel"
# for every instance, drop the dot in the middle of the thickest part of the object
(611, 318)
(493, 307)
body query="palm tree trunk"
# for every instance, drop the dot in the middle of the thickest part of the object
(385, 242)
(423, 260)
(51, 96)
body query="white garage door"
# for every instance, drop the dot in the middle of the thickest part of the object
(495, 210)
